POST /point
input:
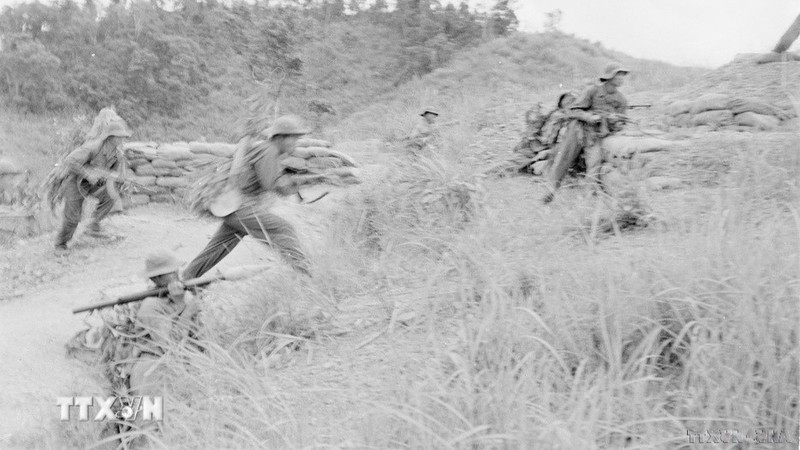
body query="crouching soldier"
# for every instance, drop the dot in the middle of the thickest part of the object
(598, 113)
(92, 170)
(164, 319)
(425, 133)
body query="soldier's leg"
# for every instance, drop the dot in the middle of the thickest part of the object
(567, 152)
(279, 234)
(105, 205)
(223, 242)
(593, 155)
(73, 208)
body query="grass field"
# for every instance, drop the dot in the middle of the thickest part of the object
(453, 311)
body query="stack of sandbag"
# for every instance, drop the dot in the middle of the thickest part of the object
(315, 157)
(311, 158)
(162, 171)
(716, 110)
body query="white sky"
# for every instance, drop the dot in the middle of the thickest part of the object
(685, 32)
(705, 33)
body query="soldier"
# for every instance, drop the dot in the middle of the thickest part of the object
(596, 114)
(91, 169)
(425, 132)
(261, 174)
(164, 319)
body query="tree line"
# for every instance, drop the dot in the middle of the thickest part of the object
(147, 57)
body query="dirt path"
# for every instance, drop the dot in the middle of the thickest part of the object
(38, 321)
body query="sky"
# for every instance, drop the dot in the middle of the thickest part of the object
(705, 33)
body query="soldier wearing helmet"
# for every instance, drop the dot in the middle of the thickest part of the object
(83, 175)
(258, 175)
(425, 132)
(598, 112)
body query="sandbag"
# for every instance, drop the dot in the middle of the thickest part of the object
(144, 180)
(759, 121)
(174, 152)
(136, 162)
(625, 146)
(309, 142)
(165, 163)
(221, 149)
(172, 182)
(294, 163)
(325, 163)
(145, 152)
(710, 102)
(162, 198)
(149, 170)
(682, 120)
(139, 145)
(739, 106)
(139, 199)
(713, 118)
(679, 107)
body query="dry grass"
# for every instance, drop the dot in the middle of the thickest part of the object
(522, 337)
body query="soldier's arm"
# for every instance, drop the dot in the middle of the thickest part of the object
(268, 169)
(77, 160)
(585, 102)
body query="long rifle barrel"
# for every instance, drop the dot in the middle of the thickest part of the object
(141, 295)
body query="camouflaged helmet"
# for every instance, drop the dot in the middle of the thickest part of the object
(161, 263)
(291, 125)
(108, 123)
(611, 70)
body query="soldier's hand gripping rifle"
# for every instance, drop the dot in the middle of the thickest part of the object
(217, 275)
(111, 180)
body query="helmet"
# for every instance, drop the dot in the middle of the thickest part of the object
(290, 124)
(108, 123)
(161, 263)
(611, 70)
(429, 111)
(566, 96)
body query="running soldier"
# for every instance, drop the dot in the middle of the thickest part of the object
(258, 175)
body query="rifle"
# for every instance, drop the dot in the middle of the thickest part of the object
(111, 180)
(640, 105)
(236, 273)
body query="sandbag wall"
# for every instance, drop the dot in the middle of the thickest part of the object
(164, 170)
(722, 110)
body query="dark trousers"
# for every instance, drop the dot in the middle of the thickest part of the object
(576, 139)
(74, 195)
(261, 225)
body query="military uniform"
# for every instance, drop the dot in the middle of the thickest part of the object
(159, 318)
(425, 134)
(93, 154)
(261, 178)
(582, 135)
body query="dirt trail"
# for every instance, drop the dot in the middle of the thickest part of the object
(35, 325)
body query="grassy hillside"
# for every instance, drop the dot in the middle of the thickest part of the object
(504, 77)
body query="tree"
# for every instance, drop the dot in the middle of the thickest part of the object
(502, 19)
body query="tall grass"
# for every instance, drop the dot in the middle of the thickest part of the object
(520, 336)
